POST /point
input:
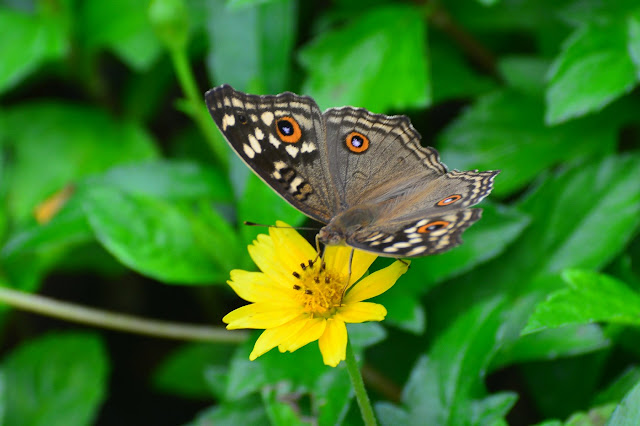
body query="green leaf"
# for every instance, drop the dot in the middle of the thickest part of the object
(156, 238)
(56, 144)
(628, 412)
(183, 371)
(594, 69)
(260, 204)
(247, 411)
(525, 73)
(29, 41)
(121, 26)
(279, 409)
(58, 379)
(169, 180)
(566, 223)
(634, 41)
(264, 33)
(443, 383)
(378, 61)
(505, 130)
(451, 75)
(493, 409)
(549, 344)
(592, 297)
(594, 417)
(620, 387)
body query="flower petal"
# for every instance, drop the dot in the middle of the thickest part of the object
(259, 287)
(311, 332)
(271, 338)
(260, 315)
(362, 260)
(263, 253)
(333, 342)
(291, 247)
(361, 312)
(376, 283)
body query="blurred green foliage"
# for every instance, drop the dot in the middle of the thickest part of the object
(535, 318)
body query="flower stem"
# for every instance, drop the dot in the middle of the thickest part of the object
(358, 385)
(196, 107)
(96, 317)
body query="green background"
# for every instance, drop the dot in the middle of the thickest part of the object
(534, 319)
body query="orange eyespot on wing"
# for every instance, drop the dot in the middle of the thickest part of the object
(433, 226)
(288, 129)
(449, 200)
(357, 142)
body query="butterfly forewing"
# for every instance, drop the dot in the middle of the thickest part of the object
(369, 151)
(282, 139)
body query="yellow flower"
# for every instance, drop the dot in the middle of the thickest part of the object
(298, 299)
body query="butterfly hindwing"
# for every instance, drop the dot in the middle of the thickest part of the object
(282, 139)
(426, 236)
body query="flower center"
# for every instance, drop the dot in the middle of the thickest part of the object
(318, 290)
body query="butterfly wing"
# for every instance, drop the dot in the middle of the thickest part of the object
(282, 139)
(426, 218)
(412, 205)
(372, 153)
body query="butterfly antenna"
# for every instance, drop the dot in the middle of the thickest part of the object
(300, 228)
(346, 286)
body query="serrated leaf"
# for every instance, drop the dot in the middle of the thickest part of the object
(381, 64)
(566, 223)
(154, 237)
(445, 381)
(592, 297)
(264, 33)
(247, 411)
(594, 68)
(58, 379)
(56, 144)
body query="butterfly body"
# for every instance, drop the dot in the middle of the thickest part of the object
(364, 175)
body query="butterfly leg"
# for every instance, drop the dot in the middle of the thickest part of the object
(346, 284)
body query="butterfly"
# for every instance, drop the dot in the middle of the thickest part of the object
(364, 175)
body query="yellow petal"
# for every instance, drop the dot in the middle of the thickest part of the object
(376, 283)
(263, 253)
(361, 312)
(362, 260)
(259, 287)
(333, 342)
(271, 338)
(336, 258)
(291, 247)
(311, 332)
(260, 315)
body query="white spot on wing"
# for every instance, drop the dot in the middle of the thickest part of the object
(255, 144)
(388, 239)
(259, 134)
(254, 118)
(308, 147)
(416, 250)
(295, 183)
(267, 118)
(390, 249)
(228, 120)
(422, 222)
(236, 102)
(292, 150)
(247, 150)
(402, 245)
(279, 165)
(273, 141)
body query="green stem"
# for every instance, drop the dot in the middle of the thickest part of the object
(196, 106)
(96, 317)
(358, 386)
